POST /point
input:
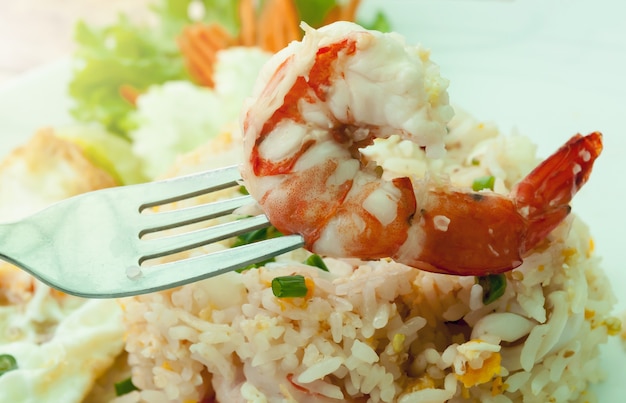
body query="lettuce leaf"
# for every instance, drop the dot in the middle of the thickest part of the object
(313, 12)
(138, 56)
(174, 14)
(108, 58)
(379, 23)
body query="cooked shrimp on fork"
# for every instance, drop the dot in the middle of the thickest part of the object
(320, 100)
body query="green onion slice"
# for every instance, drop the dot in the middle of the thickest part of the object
(493, 287)
(289, 286)
(7, 363)
(255, 265)
(243, 190)
(316, 261)
(257, 235)
(484, 182)
(124, 387)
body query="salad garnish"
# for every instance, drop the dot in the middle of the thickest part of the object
(117, 63)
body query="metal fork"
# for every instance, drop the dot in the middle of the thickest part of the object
(94, 245)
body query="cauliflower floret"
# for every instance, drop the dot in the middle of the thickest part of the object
(178, 116)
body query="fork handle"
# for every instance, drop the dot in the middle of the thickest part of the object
(21, 245)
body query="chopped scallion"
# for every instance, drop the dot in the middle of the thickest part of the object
(484, 182)
(7, 363)
(289, 286)
(243, 190)
(255, 265)
(316, 261)
(257, 235)
(493, 286)
(124, 387)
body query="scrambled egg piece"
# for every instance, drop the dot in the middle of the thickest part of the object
(60, 343)
(478, 362)
(484, 374)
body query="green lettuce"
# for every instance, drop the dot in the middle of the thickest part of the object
(314, 11)
(109, 58)
(174, 14)
(379, 23)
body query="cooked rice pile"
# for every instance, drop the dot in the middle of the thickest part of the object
(381, 331)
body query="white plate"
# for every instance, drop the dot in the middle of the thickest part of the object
(546, 69)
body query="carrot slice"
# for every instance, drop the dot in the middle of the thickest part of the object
(274, 27)
(199, 45)
(291, 22)
(247, 17)
(129, 93)
(265, 35)
(279, 24)
(342, 13)
(348, 12)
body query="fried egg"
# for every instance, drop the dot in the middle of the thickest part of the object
(61, 344)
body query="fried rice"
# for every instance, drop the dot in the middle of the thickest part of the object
(379, 331)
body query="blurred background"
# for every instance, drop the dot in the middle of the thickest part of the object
(35, 32)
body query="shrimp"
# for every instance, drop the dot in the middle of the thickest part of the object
(319, 101)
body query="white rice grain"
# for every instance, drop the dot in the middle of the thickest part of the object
(274, 353)
(476, 297)
(455, 312)
(539, 381)
(381, 317)
(335, 322)
(183, 333)
(426, 396)
(364, 352)
(558, 320)
(505, 325)
(320, 369)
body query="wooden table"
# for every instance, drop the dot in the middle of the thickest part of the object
(36, 32)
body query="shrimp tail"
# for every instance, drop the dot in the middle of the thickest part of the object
(543, 196)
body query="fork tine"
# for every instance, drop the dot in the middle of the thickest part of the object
(185, 187)
(160, 221)
(210, 265)
(167, 245)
